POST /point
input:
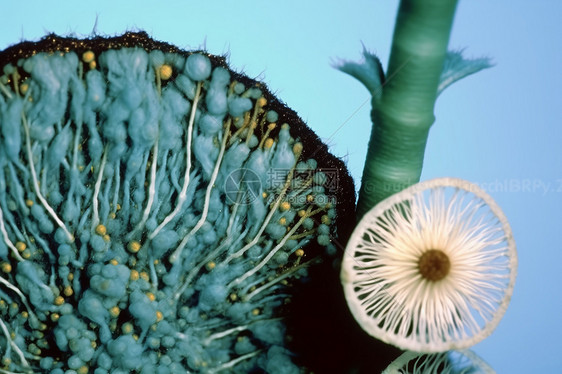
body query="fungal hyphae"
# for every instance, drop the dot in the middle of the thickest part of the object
(155, 208)
(431, 268)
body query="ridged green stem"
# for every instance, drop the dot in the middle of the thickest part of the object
(403, 114)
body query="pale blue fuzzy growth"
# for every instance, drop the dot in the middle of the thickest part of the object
(74, 362)
(84, 349)
(91, 236)
(256, 213)
(186, 86)
(143, 123)
(206, 151)
(124, 67)
(91, 307)
(174, 109)
(279, 259)
(142, 309)
(211, 296)
(96, 88)
(72, 335)
(279, 362)
(233, 160)
(243, 346)
(51, 79)
(59, 147)
(272, 332)
(8, 69)
(95, 145)
(126, 352)
(322, 200)
(312, 164)
(46, 363)
(220, 78)
(323, 229)
(3, 250)
(319, 178)
(258, 163)
(198, 67)
(77, 99)
(177, 61)
(253, 141)
(112, 282)
(208, 233)
(45, 224)
(210, 124)
(253, 93)
(272, 116)
(239, 88)
(308, 223)
(276, 231)
(323, 240)
(30, 278)
(157, 58)
(238, 105)
(65, 254)
(98, 244)
(130, 76)
(284, 158)
(175, 103)
(164, 241)
(17, 191)
(10, 123)
(216, 100)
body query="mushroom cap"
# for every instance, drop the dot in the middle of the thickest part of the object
(450, 362)
(396, 297)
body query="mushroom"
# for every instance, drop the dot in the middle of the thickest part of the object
(431, 268)
(464, 361)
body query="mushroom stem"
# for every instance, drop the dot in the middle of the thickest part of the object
(403, 113)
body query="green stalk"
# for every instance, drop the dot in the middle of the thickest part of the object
(403, 113)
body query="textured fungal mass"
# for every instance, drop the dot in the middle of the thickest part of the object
(155, 209)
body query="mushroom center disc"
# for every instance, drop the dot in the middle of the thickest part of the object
(434, 265)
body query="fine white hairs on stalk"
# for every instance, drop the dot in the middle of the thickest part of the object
(432, 267)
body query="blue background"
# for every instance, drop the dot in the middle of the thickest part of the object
(499, 128)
